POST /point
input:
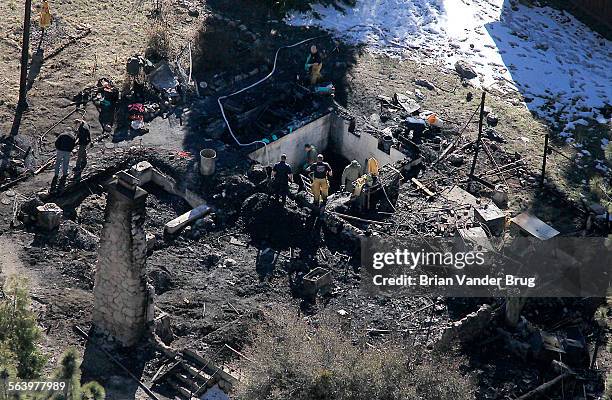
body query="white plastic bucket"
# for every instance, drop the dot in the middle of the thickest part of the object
(208, 159)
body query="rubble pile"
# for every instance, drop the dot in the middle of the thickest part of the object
(265, 221)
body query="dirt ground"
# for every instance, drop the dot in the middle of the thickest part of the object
(212, 304)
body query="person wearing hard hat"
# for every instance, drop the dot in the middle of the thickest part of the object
(314, 63)
(45, 15)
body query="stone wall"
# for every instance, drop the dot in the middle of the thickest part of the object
(122, 296)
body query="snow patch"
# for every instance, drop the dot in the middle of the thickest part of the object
(547, 55)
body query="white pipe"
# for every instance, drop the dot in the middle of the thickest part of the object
(190, 65)
(252, 86)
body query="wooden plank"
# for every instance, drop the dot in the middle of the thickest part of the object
(187, 218)
(422, 187)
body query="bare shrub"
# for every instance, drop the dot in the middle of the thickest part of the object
(158, 43)
(292, 360)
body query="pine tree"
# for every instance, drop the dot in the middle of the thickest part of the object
(19, 333)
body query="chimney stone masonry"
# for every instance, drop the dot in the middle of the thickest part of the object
(122, 296)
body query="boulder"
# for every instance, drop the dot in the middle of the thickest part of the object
(492, 119)
(456, 159)
(424, 83)
(465, 70)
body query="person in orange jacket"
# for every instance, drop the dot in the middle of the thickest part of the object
(45, 16)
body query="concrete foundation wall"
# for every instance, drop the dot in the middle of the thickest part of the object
(328, 131)
(315, 133)
(121, 295)
(360, 147)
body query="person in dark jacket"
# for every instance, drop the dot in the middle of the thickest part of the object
(281, 176)
(83, 137)
(64, 144)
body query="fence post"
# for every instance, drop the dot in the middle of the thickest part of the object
(478, 141)
(544, 160)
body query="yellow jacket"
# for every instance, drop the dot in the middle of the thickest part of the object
(372, 166)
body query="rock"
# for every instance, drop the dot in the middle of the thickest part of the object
(204, 224)
(424, 83)
(229, 262)
(492, 119)
(151, 242)
(456, 159)
(49, 216)
(464, 70)
(494, 135)
(406, 103)
(193, 12)
(500, 196)
(375, 119)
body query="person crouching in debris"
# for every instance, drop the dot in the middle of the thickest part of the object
(351, 173)
(314, 63)
(83, 137)
(281, 176)
(320, 186)
(64, 144)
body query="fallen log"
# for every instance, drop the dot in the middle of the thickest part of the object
(545, 386)
(45, 165)
(20, 178)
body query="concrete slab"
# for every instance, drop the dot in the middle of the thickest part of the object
(460, 196)
(49, 216)
(534, 226)
(477, 237)
(183, 220)
(143, 171)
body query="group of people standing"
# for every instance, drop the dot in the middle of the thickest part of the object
(319, 170)
(66, 142)
(354, 176)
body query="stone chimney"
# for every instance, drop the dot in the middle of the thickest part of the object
(122, 296)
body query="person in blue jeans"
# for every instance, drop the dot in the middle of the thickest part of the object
(64, 144)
